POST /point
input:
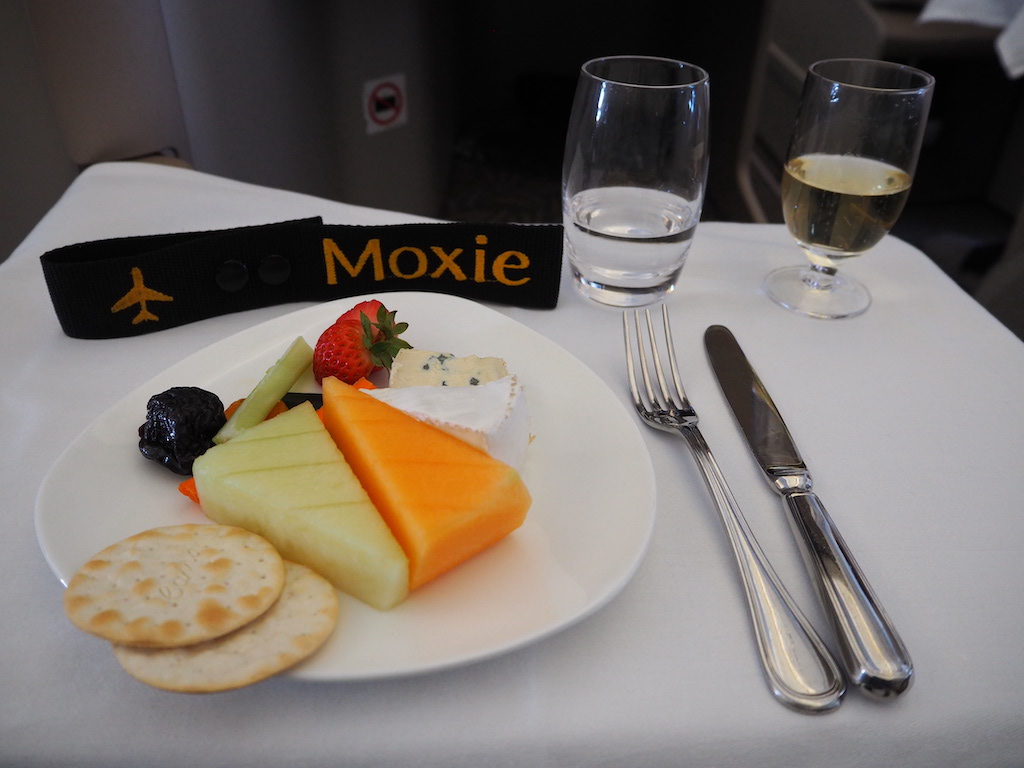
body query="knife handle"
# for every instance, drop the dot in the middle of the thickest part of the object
(872, 652)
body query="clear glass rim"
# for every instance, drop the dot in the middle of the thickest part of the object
(690, 75)
(842, 73)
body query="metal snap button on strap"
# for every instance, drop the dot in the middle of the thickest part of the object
(274, 269)
(232, 275)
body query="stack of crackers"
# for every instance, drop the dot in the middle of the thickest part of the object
(201, 608)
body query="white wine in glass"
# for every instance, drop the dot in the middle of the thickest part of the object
(848, 174)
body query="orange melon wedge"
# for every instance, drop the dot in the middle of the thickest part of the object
(443, 499)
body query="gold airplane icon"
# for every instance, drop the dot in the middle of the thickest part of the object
(140, 294)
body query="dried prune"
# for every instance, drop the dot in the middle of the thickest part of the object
(180, 425)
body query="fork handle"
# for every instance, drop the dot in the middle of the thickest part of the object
(799, 668)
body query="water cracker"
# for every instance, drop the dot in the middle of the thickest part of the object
(292, 629)
(175, 585)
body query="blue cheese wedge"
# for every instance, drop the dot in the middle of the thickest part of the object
(491, 416)
(420, 368)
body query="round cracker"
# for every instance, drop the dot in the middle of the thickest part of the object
(175, 585)
(294, 627)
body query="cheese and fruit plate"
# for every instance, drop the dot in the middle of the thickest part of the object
(476, 488)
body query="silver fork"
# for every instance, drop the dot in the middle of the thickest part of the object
(799, 668)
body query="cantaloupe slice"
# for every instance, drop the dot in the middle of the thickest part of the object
(286, 480)
(443, 499)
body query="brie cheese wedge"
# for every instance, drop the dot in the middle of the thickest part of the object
(491, 416)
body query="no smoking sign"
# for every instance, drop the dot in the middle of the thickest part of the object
(384, 103)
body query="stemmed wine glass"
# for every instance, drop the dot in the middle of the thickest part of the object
(848, 172)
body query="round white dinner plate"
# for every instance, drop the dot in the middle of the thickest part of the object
(588, 471)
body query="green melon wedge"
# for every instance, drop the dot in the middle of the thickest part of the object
(274, 385)
(286, 480)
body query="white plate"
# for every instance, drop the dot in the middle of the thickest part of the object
(588, 470)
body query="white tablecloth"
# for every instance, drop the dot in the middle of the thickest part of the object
(910, 416)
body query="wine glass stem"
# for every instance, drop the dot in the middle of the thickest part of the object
(820, 278)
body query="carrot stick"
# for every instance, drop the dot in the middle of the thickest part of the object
(188, 487)
(278, 408)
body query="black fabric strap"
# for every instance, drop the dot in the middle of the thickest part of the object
(135, 285)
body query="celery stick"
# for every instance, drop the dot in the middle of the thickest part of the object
(272, 387)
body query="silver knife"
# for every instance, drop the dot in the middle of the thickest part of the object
(872, 653)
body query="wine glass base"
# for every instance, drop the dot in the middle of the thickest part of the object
(815, 294)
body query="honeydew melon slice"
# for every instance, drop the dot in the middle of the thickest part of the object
(274, 385)
(286, 480)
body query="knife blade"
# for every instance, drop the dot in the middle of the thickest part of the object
(872, 653)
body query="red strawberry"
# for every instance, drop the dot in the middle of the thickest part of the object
(368, 308)
(354, 346)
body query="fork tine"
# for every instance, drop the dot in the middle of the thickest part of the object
(659, 369)
(667, 400)
(645, 372)
(672, 394)
(637, 373)
(630, 367)
(673, 365)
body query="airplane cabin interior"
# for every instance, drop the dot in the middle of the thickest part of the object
(473, 99)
